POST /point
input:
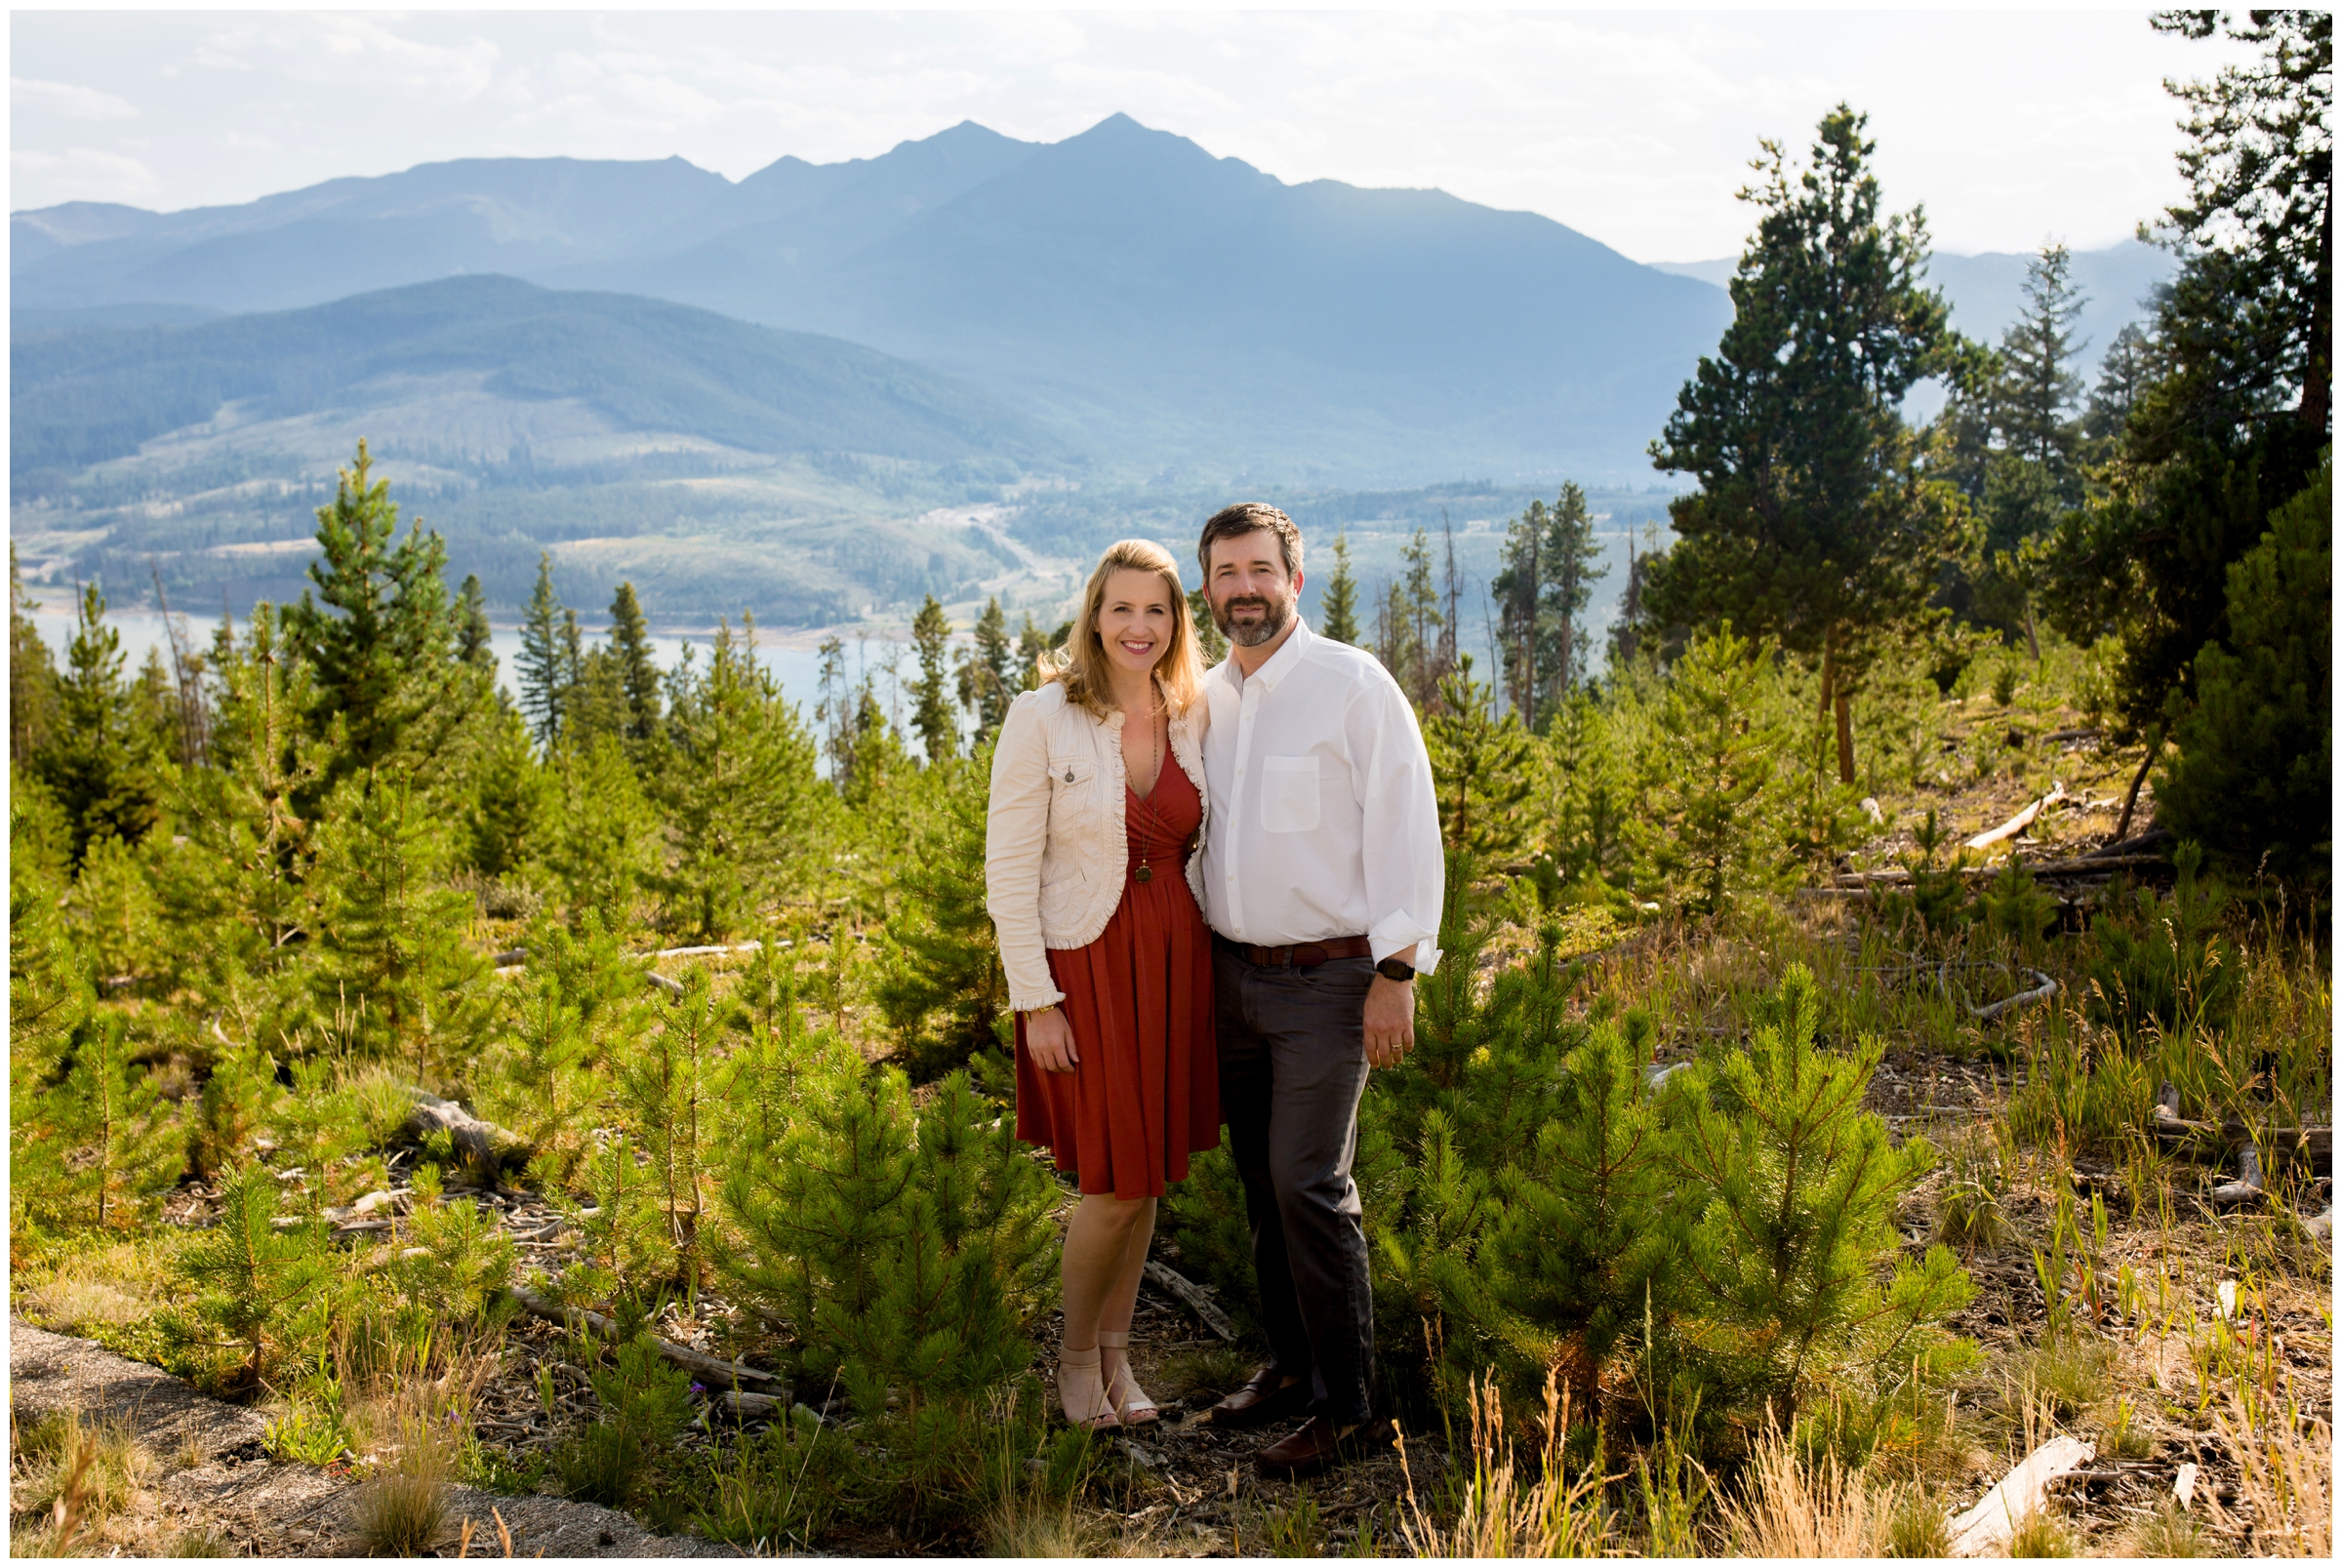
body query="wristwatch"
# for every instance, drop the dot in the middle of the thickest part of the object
(1396, 969)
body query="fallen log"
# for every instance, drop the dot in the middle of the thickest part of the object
(2039, 993)
(482, 1146)
(1196, 1298)
(2021, 820)
(1985, 1529)
(716, 1372)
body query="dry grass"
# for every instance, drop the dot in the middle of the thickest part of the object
(1789, 1507)
(2169, 1531)
(2043, 1534)
(1502, 1514)
(403, 1508)
(70, 1480)
(2286, 1477)
(1026, 1525)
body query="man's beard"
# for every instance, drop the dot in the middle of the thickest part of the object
(1274, 613)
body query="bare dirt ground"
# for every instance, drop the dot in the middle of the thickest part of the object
(209, 1475)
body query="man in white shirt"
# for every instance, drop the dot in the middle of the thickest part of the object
(1322, 879)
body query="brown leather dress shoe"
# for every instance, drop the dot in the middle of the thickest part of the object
(1264, 1400)
(1320, 1446)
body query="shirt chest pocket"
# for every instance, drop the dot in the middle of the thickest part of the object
(1288, 795)
(1072, 784)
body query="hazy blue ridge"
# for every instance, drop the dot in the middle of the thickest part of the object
(86, 397)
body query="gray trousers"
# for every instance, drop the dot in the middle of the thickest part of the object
(1292, 1069)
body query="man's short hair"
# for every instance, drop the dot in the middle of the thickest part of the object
(1248, 518)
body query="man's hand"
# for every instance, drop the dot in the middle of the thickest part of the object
(1050, 1039)
(1390, 1022)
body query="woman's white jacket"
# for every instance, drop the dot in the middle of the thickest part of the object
(1055, 849)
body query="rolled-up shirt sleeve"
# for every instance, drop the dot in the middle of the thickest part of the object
(1405, 869)
(1016, 825)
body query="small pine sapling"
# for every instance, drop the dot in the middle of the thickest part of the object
(1712, 828)
(110, 1142)
(2166, 963)
(628, 1251)
(777, 1060)
(1586, 1251)
(241, 1098)
(941, 987)
(256, 1286)
(319, 1126)
(456, 1263)
(1789, 1264)
(540, 1081)
(665, 1082)
(645, 1403)
(907, 1250)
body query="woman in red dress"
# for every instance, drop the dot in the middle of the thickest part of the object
(1097, 812)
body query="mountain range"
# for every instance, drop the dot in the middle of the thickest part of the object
(648, 368)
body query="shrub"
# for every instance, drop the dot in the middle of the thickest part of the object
(1797, 1186)
(254, 1285)
(2162, 962)
(456, 1263)
(645, 1403)
(98, 1147)
(907, 1251)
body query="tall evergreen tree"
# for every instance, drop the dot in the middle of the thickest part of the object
(2240, 407)
(2253, 780)
(637, 669)
(1338, 609)
(472, 631)
(2039, 385)
(932, 718)
(542, 677)
(396, 971)
(986, 672)
(738, 787)
(32, 700)
(942, 989)
(101, 767)
(1552, 561)
(599, 832)
(1214, 646)
(1814, 520)
(382, 663)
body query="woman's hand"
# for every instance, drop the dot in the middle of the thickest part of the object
(1050, 1038)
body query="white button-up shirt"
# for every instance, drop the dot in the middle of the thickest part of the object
(1324, 822)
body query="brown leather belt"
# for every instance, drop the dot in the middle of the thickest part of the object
(1302, 954)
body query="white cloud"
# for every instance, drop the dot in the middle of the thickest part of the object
(64, 100)
(93, 174)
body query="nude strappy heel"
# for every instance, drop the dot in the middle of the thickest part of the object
(1082, 1389)
(1132, 1406)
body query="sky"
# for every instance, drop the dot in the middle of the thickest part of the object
(2013, 128)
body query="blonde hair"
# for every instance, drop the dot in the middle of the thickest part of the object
(1081, 665)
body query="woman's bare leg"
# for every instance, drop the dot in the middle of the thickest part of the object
(1097, 1259)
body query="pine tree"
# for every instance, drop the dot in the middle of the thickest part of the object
(1572, 566)
(106, 1142)
(2253, 780)
(2039, 385)
(1338, 609)
(1711, 829)
(254, 1283)
(637, 669)
(394, 964)
(601, 838)
(984, 673)
(101, 766)
(233, 883)
(1032, 643)
(594, 702)
(1592, 758)
(509, 799)
(383, 675)
(942, 989)
(1798, 1186)
(665, 1083)
(1815, 520)
(739, 789)
(1519, 591)
(472, 631)
(932, 718)
(1587, 1251)
(541, 677)
(907, 1250)
(1480, 769)
(2241, 404)
(32, 696)
(111, 911)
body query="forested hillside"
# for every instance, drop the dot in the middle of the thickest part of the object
(1885, 1028)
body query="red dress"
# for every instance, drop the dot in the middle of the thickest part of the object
(1145, 1093)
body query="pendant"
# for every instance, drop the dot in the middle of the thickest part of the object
(1145, 873)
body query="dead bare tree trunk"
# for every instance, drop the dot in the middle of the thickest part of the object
(2130, 800)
